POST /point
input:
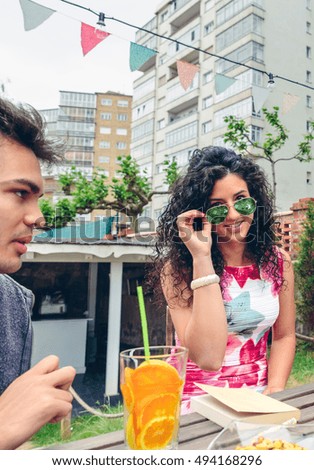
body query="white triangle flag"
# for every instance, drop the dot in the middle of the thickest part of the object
(34, 14)
(260, 95)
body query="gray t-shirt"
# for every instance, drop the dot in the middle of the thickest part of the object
(16, 303)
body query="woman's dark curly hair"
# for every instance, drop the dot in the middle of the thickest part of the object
(192, 191)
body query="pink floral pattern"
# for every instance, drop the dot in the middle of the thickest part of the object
(252, 306)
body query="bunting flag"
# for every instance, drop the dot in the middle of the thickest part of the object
(259, 97)
(288, 102)
(90, 37)
(139, 55)
(186, 73)
(34, 14)
(222, 83)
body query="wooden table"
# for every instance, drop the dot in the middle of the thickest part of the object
(196, 432)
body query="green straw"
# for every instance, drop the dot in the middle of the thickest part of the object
(141, 303)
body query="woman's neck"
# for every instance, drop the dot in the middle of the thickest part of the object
(235, 255)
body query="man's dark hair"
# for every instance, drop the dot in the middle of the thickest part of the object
(23, 124)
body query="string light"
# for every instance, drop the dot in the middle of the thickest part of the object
(100, 25)
(271, 82)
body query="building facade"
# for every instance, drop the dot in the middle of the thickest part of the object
(96, 130)
(258, 37)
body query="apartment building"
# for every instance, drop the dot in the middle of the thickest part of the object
(112, 131)
(96, 130)
(258, 37)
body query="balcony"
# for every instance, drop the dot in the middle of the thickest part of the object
(182, 12)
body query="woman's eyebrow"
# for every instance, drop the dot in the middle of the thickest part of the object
(221, 198)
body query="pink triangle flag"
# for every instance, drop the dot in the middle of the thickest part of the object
(186, 72)
(90, 37)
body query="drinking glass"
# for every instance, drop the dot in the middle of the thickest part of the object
(151, 383)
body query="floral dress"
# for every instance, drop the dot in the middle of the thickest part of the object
(251, 300)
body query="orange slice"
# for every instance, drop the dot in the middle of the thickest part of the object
(130, 434)
(157, 433)
(128, 396)
(165, 404)
(156, 375)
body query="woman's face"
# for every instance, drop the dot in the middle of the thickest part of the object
(227, 191)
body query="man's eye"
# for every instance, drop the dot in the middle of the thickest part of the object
(21, 193)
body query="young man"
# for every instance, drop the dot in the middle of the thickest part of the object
(40, 395)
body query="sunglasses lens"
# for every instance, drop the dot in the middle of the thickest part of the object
(216, 215)
(245, 206)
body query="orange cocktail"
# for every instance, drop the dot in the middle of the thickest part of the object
(151, 389)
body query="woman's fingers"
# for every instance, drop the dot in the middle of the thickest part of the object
(186, 224)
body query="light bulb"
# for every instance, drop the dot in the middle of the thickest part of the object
(100, 26)
(271, 81)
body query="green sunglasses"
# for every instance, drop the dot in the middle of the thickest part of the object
(217, 214)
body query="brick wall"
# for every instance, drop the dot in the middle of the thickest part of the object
(290, 225)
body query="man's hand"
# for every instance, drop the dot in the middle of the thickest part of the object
(35, 398)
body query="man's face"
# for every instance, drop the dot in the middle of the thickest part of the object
(21, 185)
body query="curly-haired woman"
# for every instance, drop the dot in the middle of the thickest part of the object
(226, 283)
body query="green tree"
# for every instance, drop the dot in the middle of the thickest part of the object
(128, 194)
(239, 136)
(59, 214)
(304, 268)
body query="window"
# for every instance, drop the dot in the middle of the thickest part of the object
(309, 4)
(207, 77)
(105, 116)
(208, 28)
(121, 145)
(256, 133)
(122, 117)
(308, 101)
(308, 52)
(162, 80)
(122, 131)
(103, 144)
(308, 27)
(162, 59)
(308, 126)
(181, 135)
(146, 128)
(207, 102)
(105, 130)
(123, 103)
(161, 123)
(308, 76)
(209, 4)
(103, 159)
(207, 127)
(308, 177)
(106, 102)
(164, 16)
(251, 50)
(239, 30)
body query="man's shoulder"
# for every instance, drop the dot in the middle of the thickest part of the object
(8, 282)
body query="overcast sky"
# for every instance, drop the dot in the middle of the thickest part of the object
(36, 64)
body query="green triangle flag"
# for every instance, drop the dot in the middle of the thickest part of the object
(139, 55)
(34, 14)
(222, 83)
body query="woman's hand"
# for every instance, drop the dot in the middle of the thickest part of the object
(198, 242)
